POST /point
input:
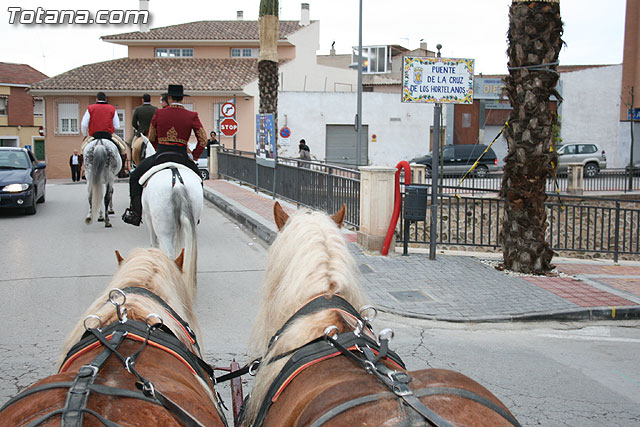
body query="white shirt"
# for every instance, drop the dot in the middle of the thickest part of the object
(84, 126)
(74, 159)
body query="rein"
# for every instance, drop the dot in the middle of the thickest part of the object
(111, 337)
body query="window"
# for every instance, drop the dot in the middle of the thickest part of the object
(188, 106)
(174, 52)
(38, 107)
(120, 131)
(68, 117)
(587, 149)
(374, 59)
(3, 105)
(246, 52)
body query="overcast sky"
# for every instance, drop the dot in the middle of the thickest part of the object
(593, 31)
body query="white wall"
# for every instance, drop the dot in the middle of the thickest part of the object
(591, 108)
(308, 113)
(624, 144)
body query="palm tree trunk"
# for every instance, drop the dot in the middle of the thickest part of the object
(535, 31)
(268, 60)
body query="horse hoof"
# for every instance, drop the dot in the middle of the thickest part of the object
(87, 221)
(107, 225)
(100, 219)
(111, 212)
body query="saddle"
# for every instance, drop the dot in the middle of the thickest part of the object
(122, 146)
(158, 167)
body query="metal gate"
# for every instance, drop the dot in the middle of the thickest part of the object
(341, 145)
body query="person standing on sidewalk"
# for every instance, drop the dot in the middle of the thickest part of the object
(75, 162)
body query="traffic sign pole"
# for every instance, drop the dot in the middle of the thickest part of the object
(234, 117)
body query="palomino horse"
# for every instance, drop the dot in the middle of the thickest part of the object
(102, 162)
(316, 349)
(172, 202)
(142, 340)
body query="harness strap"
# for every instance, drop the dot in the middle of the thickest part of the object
(135, 290)
(175, 174)
(428, 391)
(78, 394)
(44, 418)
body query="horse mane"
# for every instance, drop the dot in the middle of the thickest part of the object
(153, 270)
(308, 258)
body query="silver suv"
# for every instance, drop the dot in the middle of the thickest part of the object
(591, 156)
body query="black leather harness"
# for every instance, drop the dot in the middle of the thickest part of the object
(367, 353)
(111, 337)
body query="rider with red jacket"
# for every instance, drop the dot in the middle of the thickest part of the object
(169, 133)
(100, 120)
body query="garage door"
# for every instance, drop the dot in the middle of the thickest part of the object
(341, 145)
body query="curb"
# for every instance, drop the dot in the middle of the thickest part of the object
(599, 313)
(254, 223)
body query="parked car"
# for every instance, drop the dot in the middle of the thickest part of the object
(635, 170)
(591, 156)
(458, 159)
(202, 162)
(22, 179)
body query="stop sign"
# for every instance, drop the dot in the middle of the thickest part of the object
(229, 127)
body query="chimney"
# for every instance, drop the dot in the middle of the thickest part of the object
(423, 45)
(239, 15)
(332, 52)
(143, 24)
(304, 14)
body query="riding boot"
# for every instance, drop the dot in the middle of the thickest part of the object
(133, 215)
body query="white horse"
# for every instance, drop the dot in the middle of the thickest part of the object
(102, 162)
(171, 209)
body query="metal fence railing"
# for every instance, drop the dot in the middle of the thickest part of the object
(606, 180)
(575, 223)
(313, 184)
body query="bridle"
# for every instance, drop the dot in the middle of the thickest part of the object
(152, 332)
(373, 356)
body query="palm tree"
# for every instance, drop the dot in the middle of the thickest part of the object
(268, 60)
(535, 31)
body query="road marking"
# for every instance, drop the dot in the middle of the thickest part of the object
(590, 338)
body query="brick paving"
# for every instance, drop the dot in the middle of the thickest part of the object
(461, 288)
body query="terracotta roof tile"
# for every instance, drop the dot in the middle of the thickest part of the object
(206, 30)
(21, 74)
(196, 74)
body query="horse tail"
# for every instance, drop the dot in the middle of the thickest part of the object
(97, 178)
(185, 221)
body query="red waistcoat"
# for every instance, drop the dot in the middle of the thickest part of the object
(101, 118)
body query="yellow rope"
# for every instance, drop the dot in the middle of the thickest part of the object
(481, 155)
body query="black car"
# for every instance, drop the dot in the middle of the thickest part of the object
(458, 159)
(22, 179)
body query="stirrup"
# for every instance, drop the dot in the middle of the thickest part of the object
(131, 217)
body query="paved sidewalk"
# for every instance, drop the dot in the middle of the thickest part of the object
(462, 288)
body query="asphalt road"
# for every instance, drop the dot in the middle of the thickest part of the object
(550, 374)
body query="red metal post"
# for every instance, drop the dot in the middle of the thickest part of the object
(397, 203)
(236, 392)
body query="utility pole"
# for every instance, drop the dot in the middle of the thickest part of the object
(433, 236)
(631, 110)
(359, 107)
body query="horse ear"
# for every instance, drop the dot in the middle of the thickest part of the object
(119, 257)
(280, 216)
(180, 260)
(338, 217)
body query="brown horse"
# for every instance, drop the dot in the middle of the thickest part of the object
(314, 368)
(134, 360)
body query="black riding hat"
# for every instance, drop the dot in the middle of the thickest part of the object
(175, 90)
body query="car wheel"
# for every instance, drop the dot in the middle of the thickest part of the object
(591, 170)
(204, 174)
(482, 171)
(42, 198)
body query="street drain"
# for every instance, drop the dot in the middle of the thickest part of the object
(410, 296)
